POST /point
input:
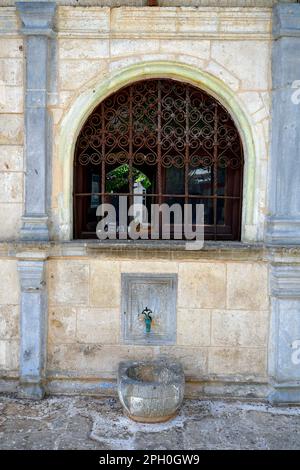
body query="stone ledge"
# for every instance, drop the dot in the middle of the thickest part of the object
(162, 3)
(95, 386)
(148, 249)
(133, 250)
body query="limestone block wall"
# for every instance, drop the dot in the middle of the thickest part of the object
(222, 317)
(11, 135)
(11, 184)
(9, 318)
(223, 302)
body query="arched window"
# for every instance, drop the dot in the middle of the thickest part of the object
(162, 141)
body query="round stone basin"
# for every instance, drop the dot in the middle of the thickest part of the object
(151, 391)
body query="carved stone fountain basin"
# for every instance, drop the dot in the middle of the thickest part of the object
(151, 391)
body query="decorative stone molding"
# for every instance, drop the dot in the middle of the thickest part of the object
(286, 20)
(37, 17)
(285, 281)
(164, 23)
(283, 230)
(37, 21)
(31, 268)
(8, 21)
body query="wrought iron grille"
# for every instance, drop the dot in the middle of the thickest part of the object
(177, 140)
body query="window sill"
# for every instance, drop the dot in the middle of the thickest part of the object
(172, 245)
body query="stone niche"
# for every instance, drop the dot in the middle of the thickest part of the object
(157, 292)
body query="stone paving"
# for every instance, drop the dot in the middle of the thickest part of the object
(93, 423)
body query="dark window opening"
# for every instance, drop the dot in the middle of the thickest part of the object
(160, 141)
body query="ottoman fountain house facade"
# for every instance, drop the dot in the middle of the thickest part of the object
(189, 101)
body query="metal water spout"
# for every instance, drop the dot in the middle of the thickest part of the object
(148, 318)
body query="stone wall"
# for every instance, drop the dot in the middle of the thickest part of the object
(223, 302)
(11, 135)
(9, 319)
(222, 316)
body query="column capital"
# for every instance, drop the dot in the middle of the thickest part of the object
(32, 275)
(286, 20)
(285, 280)
(37, 17)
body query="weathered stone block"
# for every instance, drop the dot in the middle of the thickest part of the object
(126, 47)
(191, 60)
(253, 21)
(11, 158)
(247, 286)
(202, 285)
(223, 74)
(84, 70)
(194, 360)
(124, 62)
(9, 354)
(252, 100)
(200, 22)
(11, 129)
(11, 47)
(11, 99)
(9, 321)
(195, 48)
(246, 60)
(140, 20)
(97, 359)
(11, 214)
(68, 281)
(9, 285)
(11, 71)
(98, 325)
(193, 327)
(239, 361)
(83, 19)
(149, 266)
(83, 49)
(105, 284)
(11, 187)
(239, 328)
(62, 324)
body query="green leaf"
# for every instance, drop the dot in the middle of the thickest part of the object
(119, 177)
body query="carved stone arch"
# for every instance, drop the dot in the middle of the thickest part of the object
(79, 111)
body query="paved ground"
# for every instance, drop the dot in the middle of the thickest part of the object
(90, 423)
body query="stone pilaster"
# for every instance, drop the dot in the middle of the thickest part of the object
(283, 225)
(284, 358)
(33, 325)
(37, 23)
